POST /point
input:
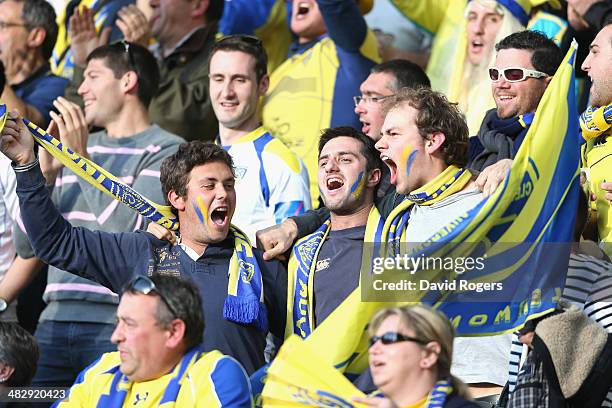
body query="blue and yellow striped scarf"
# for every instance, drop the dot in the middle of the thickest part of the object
(101, 179)
(245, 293)
(450, 181)
(302, 265)
(437, 397)
(301, 272)
(595, 121)
(245, 300)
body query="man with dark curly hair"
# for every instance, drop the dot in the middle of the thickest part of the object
(243, 296)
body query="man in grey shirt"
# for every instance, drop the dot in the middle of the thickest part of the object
(120, 80)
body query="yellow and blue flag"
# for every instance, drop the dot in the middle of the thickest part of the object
(522, 231)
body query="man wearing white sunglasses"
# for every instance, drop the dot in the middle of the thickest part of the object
(525, 63)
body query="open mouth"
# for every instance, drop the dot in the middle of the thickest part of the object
(302, 9)
(219, 216)
(505, 98)
(229, 104)
(476, 45)
(366, 127)
(377, 365)
(392, 168)
(334, 183)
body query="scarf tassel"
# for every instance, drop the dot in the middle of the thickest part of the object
(246, 311)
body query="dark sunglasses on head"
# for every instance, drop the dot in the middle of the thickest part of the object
(394, 337)
(514, 74)
(143, 284)
(128, 51)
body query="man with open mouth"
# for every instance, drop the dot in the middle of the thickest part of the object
(243, 297)
(328, 261)
(597, 131)
(425, 146)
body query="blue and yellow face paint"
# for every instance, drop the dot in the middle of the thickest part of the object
(358, 185)
(3, 116)
(201, 210)
(408, 156)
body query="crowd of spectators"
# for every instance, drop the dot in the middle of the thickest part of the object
(281, 134)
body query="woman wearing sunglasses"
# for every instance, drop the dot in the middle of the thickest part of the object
(411, 351)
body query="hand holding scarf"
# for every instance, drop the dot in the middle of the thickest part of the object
(595, 121)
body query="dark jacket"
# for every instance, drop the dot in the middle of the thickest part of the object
(455, 401)
(570, 365)
(113, 259)
(497, 139)
(182, 104)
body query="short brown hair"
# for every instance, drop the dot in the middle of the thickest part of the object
(122, 57)
(175, 169)
(436, 114)
(247, 44)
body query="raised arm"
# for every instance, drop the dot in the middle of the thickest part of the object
(344, 22)
(110, 259)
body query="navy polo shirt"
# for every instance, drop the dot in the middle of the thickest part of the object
(113, 259)
(337, 270)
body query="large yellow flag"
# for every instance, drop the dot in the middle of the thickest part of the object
(521, 231)
(300, 377)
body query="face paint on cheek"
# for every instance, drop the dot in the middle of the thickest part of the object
(357, 187)
(201, 210)
(408, 156)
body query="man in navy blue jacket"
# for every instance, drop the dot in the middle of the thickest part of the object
(198, 181)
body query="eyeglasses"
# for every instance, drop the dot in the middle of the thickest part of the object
(143, 284)
(514, 74)
(5, 24)
(394, 337)
(128, 51)
(369, 99)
